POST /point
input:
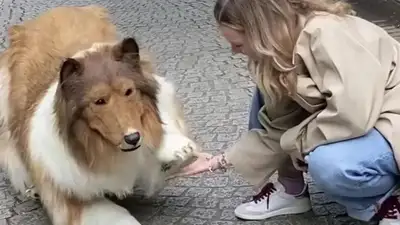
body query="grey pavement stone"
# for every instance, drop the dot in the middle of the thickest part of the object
(220, 222)
(215, 88)
(204, 213)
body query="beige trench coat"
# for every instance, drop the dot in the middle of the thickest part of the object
(352, 85)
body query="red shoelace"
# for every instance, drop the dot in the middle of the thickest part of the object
(265, 192)
(390, 209)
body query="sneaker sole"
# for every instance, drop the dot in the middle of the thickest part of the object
(285, 211)
(389, 222)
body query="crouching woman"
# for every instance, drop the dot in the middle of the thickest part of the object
(329, 104)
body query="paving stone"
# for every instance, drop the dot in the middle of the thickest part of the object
(215, 88)
(204, 213)
(205, 202)
(198, 192)
(249, 223)
(278, 222)
(186, 182)
(172, 191)
(225, 192)
(162, 220)
(335, 209)
(227, 214)
(26, 207)
(33, 217)
(215, 181)
(244, 192)
(300, 220)
(175, 210)
(192, 221)
(6, 213)
(177, 201)
(348, 221)
(320, 198)
(220, 222)
(231, 203)
(320, 210)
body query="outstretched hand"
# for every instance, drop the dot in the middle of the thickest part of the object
(204, 162)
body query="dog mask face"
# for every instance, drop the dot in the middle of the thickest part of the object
(108, 91)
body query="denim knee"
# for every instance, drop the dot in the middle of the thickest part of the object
(332, 174)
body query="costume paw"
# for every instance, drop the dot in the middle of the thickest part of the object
(186, 151)
(176, 148)
(32, 193)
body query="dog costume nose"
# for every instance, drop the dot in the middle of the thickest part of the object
(132, 139)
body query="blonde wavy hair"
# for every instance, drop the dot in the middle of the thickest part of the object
(271, 27)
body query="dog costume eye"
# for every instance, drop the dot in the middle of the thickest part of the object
(100, 101)
(128, 92)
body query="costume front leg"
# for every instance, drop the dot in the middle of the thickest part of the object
(98, 212)
(176, 148)
(105, 212)
(64, 209)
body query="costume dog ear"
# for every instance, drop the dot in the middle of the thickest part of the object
(68, 68)
(127, 51)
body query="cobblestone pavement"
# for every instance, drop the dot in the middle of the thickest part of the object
(215, 88)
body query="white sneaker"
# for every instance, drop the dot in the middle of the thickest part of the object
(390, 222)
(272, 201)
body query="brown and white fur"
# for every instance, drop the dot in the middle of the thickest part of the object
(82, 114)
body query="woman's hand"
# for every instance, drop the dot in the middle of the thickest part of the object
(204, 162)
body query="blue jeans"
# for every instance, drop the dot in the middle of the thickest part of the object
(256, 103)
(359, 173)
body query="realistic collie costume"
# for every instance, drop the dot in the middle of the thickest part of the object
(83, 115)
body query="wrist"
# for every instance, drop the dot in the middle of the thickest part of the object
(219, 162)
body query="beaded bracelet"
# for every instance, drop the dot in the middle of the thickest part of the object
(222, 163)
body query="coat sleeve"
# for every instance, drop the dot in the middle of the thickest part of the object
(351, 76)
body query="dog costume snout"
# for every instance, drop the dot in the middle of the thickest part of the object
(132, 139)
